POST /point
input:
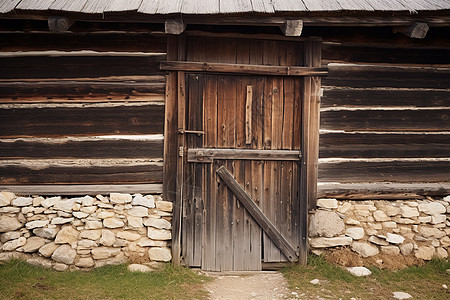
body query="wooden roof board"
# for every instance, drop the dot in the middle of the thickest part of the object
(120, 5)
(289, 5)
(169, 7)
(149, 6)
(264, 6)
(8, 5)
(201, 7)
(68, 5)
(440, 4)
(322, 5)
(240, 6)
(215, 7)
(34, 4)
(359, 5)
(387, 5)
(95, 6)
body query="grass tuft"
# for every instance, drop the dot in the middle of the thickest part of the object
(336, 282)
(19, 280)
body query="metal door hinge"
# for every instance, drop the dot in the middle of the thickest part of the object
(197, 132)
(181, 151)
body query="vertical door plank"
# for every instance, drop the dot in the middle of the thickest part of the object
(287, 195)
(189, 184)
(171, 151)
(278, 203)
(197, 125)
(210, 128)
(255, 174)
(221, 218)
(240, 240)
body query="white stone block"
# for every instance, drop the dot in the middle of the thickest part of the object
(432, 208)
(327, 203)
(355, 233)
(359, 271)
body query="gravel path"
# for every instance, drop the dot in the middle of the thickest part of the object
(255, 285)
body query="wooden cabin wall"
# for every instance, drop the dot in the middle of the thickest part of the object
(81, 108)
(385, 126)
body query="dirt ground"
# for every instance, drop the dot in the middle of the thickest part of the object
(347, 258)
(255, 285)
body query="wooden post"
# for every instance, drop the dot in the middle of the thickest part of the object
(174, 26)
(59, 24)
(292, 27)
(417, 30)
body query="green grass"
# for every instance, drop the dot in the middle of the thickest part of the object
(337, 283)
(19, 280)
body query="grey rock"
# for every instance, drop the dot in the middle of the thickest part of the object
(401, 295)
(65, 205)
(323, 242)
(355, 233)
(158, 223)
(49, 202)
(48, 233)
(147, 201)
(159, 234)
(39, 261)
(160, 254)
(60, 267)
(326, 224)
(406, 249)
(112, 223)
(327, 203)
(48, 249)
(22, 201)
(138, 211)
(33, 244)
(6, 198)
(104, 252)
(394, 238)
(9, 224)
(59, 221)
(11, 235)
(108, 238)
(164, 206)
(91, 234)
(118, 198)
(432, 208)
(139, 268)
(64, 254)
(67, 235)
(84, 262)
(359, 271)
(14, 244)
(365, 249)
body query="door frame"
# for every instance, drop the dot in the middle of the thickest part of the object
(175, 126)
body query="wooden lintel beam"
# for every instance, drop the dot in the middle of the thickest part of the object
(207, 155)
(242, 68)
(59, 24)
(82, 189)
(292, 27)
(274, 234)
(174, 26)
(417, 30)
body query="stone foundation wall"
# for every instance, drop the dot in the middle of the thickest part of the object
(417, 227)
(85, 232)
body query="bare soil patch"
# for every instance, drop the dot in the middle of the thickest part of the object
(256, 285)
(347, 258)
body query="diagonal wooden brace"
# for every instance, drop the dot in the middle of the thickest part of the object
(277, 238)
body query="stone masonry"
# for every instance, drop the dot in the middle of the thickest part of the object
(417, 227)
(85, 232)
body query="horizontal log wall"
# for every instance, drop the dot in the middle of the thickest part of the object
(82, 117)
(385, 121)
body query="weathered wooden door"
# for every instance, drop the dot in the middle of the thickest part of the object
(250, 127)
